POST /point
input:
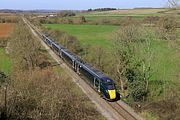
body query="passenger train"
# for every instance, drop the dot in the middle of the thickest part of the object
(101, 83)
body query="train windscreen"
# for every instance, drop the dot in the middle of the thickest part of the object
(110, 86)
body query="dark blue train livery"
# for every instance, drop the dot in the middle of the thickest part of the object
(100, 82)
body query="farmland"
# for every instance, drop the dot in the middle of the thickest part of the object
(128, 12)
(116, 14)
(6, 29)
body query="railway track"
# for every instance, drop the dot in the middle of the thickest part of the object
(122, 111)
(111, 110)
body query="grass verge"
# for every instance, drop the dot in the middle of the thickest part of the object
(5, 62)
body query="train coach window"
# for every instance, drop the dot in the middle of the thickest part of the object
(87, 74)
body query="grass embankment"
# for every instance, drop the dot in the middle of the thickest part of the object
(165, 63)
(5, 61)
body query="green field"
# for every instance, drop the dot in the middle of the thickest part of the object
(5, 62)
(165, 61)
(88, 34)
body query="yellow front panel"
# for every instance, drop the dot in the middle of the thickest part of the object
(112, 94)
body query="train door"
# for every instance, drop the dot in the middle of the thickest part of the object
(73, 64)
(60, 53)
(97, 84)
(78, 66)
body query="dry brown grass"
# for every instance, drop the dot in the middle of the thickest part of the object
(41, 94)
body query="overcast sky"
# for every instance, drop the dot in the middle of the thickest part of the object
(78, 4)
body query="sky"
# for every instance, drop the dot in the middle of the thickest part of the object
(78, 4)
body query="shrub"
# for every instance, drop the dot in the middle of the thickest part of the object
(151, 19)
(167, 27)
(3, 42)
(68, 41)
(66, 14)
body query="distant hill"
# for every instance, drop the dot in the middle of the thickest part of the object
(32, 11)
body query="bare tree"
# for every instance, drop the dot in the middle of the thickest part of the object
(148, 55)
(133, 69)
(98, 58)
(123, 51)
(174, 3)
(167, 27)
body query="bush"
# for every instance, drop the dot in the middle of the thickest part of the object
(167, 27)
(66, 14)
(151, 20)
(66, 40)
(137, 90)
(130, 33)
(41, 94)
(3, 42)
(24, 49)
(3, 78)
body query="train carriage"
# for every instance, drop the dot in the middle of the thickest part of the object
(100, 82)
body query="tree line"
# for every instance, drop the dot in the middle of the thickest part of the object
(101, 9)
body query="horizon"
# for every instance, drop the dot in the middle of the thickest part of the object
(87, 9)
(80, 4)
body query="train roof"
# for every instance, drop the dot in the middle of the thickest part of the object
(102, 76)
(62, 47)
(73, 55)
(56, 43)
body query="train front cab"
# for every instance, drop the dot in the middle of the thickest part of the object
(109, 90)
